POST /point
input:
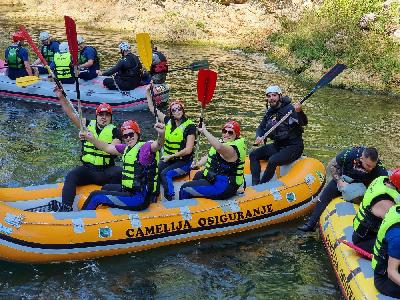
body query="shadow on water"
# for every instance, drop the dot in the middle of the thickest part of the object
(39, 145)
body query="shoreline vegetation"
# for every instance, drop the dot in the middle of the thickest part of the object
(304, 37)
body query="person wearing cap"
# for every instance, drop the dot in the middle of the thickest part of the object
(180, 136)
(62, 65)
(88, 60)
(353, 165)
(139, 175)
(381, 195)
(48, 49)
(98, 167)
(287, 138)
(386, 259)
(224, 166)
(17, 58)
(127, 73)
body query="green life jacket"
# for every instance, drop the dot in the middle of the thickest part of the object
(13, 59)
(94, 156)
(47, 53)
(364, 215)
(174, 140)
(62, 63)
(83, 59)
(217, 165)
(380, 258)
(135, 176)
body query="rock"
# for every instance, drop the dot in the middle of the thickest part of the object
(366, 20)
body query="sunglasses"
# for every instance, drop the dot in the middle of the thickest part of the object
(230, 132)
(128, 135)
(176, 109)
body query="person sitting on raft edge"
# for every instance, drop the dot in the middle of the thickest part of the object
(140, 169)
(287, 138)
(224, 166)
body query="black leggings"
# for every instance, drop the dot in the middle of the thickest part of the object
(365, 242)
(84, 175)
(387, 287)
(123, 85)
(329, 192)
(276, 156)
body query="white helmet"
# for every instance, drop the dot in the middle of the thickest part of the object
(124, 46)
(44, 35)
(273, 89)
(80, 39)
(63, 47)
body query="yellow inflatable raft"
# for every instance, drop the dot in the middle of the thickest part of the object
(38, 237)
(354, 273)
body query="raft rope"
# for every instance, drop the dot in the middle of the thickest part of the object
(168, 215)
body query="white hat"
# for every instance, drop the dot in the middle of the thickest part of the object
(63, 47)
(44, 35)
(273, 89)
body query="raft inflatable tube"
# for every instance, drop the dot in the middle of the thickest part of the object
(354, 273)
(41, 237)
(92, 93)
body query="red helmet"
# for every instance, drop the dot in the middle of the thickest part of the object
(130, 124)
(395, 178)
(176, 102)
(233, 125)
(104, 107)
(18, 36)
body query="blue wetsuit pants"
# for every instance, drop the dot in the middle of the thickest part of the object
(113, 195)
(169, 170)
(87, 74)
(218, 188)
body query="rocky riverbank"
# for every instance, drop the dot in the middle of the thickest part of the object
(251, 25)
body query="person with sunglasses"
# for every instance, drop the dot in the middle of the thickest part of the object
(224, 166)
(98, 167)
(287, 138)
(139, 175)
(180, 136)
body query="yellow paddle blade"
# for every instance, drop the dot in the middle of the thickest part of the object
(144, 49)
(26, 80)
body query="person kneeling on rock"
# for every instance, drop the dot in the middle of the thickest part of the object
(139, 175)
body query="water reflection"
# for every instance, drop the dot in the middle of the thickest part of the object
(39, 145)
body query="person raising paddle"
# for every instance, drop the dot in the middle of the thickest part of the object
(180, 135)
(139, 175)
(98, 167)
(287, 138)
(224, 166)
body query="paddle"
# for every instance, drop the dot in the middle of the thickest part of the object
(206, 82)
(46, 65)
(27, 80)
(146, 56)
(70, 30)
(328, 77)
(194, 66)
(357, 249)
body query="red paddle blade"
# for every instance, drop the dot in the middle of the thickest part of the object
(70, 30)
(206, 82)
(33, 45)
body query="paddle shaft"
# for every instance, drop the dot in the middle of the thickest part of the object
(357, 249)
(154, 103)
(198, 136)
(46, 65)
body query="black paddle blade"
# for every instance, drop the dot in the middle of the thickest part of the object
(328, 77)
(198, 64)
(331, 74)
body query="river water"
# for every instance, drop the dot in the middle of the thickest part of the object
(39, 145)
